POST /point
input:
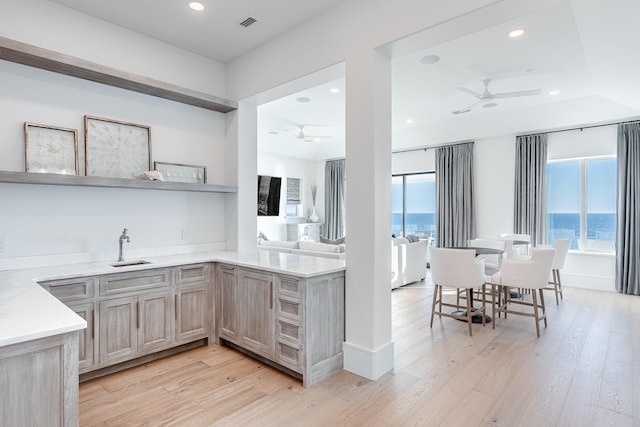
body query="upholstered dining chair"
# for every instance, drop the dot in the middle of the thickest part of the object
(514, 244)
(457, 269)
(492, 263)
(562, 249)
(529, 274)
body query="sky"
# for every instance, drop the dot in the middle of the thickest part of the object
(563, 186)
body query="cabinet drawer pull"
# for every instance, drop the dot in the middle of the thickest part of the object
(271, 295)
(138, 315)
(175, 308)
(93, 324)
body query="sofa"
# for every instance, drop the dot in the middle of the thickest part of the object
(304, 247)
(408, 261)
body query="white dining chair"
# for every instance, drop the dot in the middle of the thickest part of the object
(562, 249)
(529, 274)
(457, 269)
(492, 263)
(517, 245)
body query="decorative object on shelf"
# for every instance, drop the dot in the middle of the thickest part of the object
(178, 172)
(314, 190)
(151, 176)
(116, 149)
(50, 149)
(269, 195)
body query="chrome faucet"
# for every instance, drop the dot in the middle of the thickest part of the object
(122, 238)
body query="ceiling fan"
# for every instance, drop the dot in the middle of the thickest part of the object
(310, 138)
(486, 96)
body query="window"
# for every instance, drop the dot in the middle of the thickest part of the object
(581, 203)
(294, 206)
(413, 202)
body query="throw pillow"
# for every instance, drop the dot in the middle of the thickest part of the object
(412, 238)
(262, 236)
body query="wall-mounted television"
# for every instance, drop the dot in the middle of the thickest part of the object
(269, 195)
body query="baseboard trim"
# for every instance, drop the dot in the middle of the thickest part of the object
(371, 364)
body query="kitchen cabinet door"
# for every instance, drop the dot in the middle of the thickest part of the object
(257, 321)
(155, 321)
(227, 303)
(191, 313)
(87, 336)
(118, 329)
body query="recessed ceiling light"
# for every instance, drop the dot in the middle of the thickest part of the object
(334, 90)
(516, 33)
(429, 59)
(273, 132)
(554, 92)
(408, 121)
(303, 99)
(489, 105)
(196, 5)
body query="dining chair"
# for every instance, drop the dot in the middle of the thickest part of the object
(529, 274)
(492, 263)
(562, 249)
(457, 269)
(517, 245)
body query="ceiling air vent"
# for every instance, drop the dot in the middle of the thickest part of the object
(249, 21)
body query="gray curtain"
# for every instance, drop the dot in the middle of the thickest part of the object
(628, 243)
(334, 198)
(455, 210)
(530, 201)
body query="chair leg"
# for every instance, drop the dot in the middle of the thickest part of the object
(484, 304)
(469, 320)
(493, 304)
(433, 305)
(544, 310)
(535, 313)
(555, 285)
(559, 284)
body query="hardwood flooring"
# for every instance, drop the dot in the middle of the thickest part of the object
(584, 370)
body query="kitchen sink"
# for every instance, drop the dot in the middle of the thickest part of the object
(130, 263)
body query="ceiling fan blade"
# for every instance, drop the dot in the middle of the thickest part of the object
(467, 109)
(516, 93)
(470, 92)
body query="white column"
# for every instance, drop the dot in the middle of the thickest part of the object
(368, 350)
(241, 157)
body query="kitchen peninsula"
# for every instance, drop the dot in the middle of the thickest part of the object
(39, 339)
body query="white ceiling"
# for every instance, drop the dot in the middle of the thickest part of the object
(583, 48)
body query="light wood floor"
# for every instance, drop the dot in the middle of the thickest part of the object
(583, 371)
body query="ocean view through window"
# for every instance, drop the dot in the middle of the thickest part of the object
(413, 201)
(581, 203)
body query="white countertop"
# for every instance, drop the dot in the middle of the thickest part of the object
(28, 312)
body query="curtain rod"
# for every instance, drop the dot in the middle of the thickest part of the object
(428, 147)
(581, 128)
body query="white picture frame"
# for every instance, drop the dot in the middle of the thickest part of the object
(116, 149)
(50, 149)
(179, 172)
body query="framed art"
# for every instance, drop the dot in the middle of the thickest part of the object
(116, 149)
(50, 149)
(178, 172)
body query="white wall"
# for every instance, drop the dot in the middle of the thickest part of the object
(48, 25)
(50, 224)
(288, 167)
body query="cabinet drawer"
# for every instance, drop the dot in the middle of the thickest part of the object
(289, 355)
(290, 308)
(289, 286)
(71, 289)
(191, 273)
(289, 330)
(134, 281)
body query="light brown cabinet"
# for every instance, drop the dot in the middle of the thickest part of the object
(296, 323)
(137, 313)
(192, 302)
(79, 295)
